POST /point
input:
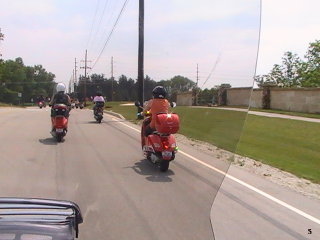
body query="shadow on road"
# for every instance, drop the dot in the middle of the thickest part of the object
(152, 172)
(103, 121)
(48, 141)
(92, 122)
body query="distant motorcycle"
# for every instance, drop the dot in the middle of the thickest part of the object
(59, 121)
(160, 146)
(98, 112)
(41, 104)
(81, 106)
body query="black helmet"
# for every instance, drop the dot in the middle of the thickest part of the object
(99, 93)
(159, 92)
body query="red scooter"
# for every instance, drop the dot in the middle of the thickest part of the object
(160, 146)
(41, 104)
(59, 120)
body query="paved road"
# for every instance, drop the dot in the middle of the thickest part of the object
(124, 197)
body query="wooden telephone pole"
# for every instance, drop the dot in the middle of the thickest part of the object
(85, 76)
(141, 53)
(111, 79)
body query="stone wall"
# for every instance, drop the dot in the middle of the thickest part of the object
(185, 99)
(256, 98)
(296, 100)
(238, 96)
(288, 99)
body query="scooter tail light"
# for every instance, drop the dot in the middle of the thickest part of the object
(165, 144)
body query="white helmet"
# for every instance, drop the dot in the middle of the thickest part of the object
(61, 87)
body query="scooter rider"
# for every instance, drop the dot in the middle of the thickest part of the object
(60, 98)
(98, 100)
(40, 99)
(159, 104)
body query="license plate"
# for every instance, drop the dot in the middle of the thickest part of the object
(166, 154)
(59, 130)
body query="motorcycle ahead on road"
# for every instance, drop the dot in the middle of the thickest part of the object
(59, 120)
(41, 104)
(98, 111)
(160, 146)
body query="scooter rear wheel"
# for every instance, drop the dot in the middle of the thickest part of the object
(59, 138)
(164, 165)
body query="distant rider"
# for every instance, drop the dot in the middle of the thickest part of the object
(159, 104)
(40, 99)
(98, 101)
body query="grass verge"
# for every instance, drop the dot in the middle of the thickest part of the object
(298, 114)
(290, 145)
(5, 105)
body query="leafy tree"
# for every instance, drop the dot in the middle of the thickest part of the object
(181, 84)
(311, 69)
(287, 74)
(295, 72)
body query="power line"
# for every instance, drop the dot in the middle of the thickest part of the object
(100, 20)
(112, 9)
(212, 70)
(111, 32)
(94, 19)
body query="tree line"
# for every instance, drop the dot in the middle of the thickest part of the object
(21, 83)
(294, 71)
(126, 89)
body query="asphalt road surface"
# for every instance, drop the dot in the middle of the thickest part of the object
(122, 196)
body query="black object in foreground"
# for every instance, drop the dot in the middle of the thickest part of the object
(31, 218)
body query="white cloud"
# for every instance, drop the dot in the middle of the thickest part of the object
(26, 8)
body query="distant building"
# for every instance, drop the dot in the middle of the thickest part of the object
(185, 99)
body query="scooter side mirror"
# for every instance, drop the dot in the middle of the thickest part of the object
(137, 104)
(173, 104)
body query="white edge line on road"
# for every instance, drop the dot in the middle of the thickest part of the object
(266, 195)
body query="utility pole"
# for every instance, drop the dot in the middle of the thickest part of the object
(75, 78)
(75, 70)
(85, 75)
(1, 38)
(141, 54)
(111, 79)
(196, 90)
(197, 74)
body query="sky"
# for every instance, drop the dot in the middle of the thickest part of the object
(220, 36)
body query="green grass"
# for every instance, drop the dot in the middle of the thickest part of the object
(290, 145)
(299, 114)
(129, 112)
(11, 105)
(219, 127)
(5, 105)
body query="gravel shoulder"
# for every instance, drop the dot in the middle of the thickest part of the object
(275, 175)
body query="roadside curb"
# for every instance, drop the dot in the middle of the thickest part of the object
(118, 115)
